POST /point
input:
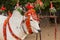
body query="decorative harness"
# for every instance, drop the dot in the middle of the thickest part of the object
(28, 25)
(4, 29)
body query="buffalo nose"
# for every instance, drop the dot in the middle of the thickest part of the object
(39, 30)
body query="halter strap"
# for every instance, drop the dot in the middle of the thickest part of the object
(4, 29)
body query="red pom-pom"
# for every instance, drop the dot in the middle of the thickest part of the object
(3, 8)
(29, 6)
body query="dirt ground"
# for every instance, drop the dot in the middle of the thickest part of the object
(47, 31)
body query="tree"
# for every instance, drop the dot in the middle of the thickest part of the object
(9, 4)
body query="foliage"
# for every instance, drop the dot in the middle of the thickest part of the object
(37, 8)
(25, 1)
(9, 4)
(46, 3)
(52, 10)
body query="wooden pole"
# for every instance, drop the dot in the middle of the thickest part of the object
(40, 35)
(55, 28)
(36, 36)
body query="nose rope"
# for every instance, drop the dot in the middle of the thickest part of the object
(22, 25)
(24, 30)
